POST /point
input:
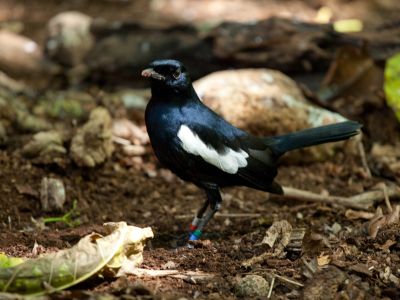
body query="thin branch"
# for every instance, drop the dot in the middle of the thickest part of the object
(361, 201)
(386, 195)
(288, 280)
(190, 276)
(271, 287)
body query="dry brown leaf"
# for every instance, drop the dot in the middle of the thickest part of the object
(386, 245)
(352, 73)
(386, 158)
(324, 284)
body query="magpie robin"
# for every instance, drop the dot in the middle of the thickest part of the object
(201, 147)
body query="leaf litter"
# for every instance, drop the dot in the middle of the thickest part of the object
(120, 250)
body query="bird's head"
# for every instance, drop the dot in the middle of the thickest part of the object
(168, 74)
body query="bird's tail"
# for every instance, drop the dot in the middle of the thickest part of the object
(313, 136)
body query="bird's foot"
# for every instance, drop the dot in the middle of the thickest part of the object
(194, 230)
(195, 235)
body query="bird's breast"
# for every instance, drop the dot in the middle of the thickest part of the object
(162, 126)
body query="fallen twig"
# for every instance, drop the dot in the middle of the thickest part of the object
(357, 214)
(380, 220)
(153, 273)
(386, 196)
(271, 288)
(363, 157)
(194, 277)
(189, 276)
(312, 269)
(361, 201)
(288, 280)
(256, 259)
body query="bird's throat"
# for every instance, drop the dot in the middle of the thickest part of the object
(173, 94)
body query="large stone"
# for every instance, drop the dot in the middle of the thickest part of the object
(69, 38)
(22, 57)
(45, 147)
(52, 194)
(266, 102)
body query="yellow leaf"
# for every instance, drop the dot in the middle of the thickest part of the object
(349, 25)
(323, 260)
(8, 261)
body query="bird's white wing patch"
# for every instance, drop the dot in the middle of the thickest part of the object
(229, 162)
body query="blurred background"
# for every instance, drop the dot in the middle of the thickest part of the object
(72, 134)
(335, 50)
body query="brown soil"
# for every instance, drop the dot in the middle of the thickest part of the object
(143, 196)
(114, 192)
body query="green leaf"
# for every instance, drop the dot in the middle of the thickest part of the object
(9, 261)
(392, 84)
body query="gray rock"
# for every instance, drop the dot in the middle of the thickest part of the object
(69, 38)
(52, 194)
(266, 102)
(252, 286)
(93, 142)
(45, 145)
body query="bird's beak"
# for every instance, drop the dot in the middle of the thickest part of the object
(150, 73)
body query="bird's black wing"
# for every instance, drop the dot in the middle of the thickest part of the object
(262, 165)
(259, 169)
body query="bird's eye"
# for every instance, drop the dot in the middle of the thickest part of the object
(177, 73)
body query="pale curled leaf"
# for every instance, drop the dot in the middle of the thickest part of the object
(131, 252)
(68, 267)
(278, 236)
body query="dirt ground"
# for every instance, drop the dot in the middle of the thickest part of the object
(114, 192)
(347, 263)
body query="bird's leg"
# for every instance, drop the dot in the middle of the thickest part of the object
(199, 216)
(214, 199)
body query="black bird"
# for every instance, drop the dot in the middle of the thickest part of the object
(201, 147)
